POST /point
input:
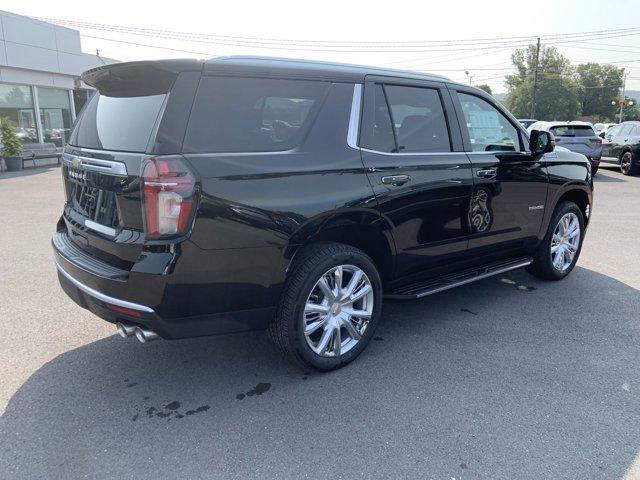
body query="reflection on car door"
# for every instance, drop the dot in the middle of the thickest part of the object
(422, 179)
(510, 188)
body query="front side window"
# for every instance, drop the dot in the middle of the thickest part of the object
(234, 114)
(488, 129)
(613, 131)
(626, 129)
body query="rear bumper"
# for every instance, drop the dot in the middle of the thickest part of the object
(160, 301)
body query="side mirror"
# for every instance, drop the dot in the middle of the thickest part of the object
(602, 134)
(541, 142)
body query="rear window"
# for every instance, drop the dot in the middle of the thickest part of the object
(117, 123)
(572, 131)
(235, 114)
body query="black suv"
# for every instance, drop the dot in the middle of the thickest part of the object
(248, 193)
(621, 146)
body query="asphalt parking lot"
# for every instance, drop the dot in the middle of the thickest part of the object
(510, 377)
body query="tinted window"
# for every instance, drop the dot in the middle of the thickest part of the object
(613, 131)
(377, 132)
(117, 123)
(232, 114)
(488, 129)
(626, 129)
(572, 131)
(418, 119)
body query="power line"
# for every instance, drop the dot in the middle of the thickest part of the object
(342, 46)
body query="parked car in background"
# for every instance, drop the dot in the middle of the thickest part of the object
(602, 128)
(579, 137)
(527, 122)
(288, 195)
(621, 146)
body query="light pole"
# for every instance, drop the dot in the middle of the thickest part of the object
(466, 72)
(623, 103)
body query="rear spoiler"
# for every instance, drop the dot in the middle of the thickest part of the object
(135, 79)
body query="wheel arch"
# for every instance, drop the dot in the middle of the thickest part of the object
(365, 230)
(579, 194)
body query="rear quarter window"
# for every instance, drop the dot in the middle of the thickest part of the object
(240, 114)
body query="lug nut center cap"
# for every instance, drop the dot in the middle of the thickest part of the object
(335, 309)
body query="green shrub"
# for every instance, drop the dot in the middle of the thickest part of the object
(11, 145)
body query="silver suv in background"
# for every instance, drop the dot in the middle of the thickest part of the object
(579, 137)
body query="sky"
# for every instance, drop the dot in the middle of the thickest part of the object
(332, 30)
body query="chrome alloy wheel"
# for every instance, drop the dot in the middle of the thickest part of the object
(565, 242)
(338, 310)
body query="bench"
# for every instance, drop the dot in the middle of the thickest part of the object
(36, 151)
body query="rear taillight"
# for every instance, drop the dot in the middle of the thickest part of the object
(168, 191)
(595, 140)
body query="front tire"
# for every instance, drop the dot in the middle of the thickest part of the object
(627, 166)
(557, 254)
(330, 306)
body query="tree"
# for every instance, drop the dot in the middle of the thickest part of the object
(485, 87)
(630, 112)
(11, 146)
(598, 85)
(556, 94)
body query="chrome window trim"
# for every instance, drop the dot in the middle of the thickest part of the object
(354, 117)
(99, 295)
(109, 167)
(408, 154)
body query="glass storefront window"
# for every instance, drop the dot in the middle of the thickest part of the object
(16, 104)
(55, 115)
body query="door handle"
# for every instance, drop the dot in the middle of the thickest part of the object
(488, 173)
(396, 179)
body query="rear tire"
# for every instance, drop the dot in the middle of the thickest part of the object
(627, 166)
(318, 324)
(558, 252)
(594, 170)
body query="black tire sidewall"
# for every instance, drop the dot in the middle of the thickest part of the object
(296, 333)
(630, 170)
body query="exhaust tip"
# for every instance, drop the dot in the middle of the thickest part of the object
(125, 330)
(143, 335)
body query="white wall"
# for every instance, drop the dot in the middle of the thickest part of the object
(40, 53)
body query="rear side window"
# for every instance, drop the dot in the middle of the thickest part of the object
(377, 131)
(233, 114)
(405, 119)
(572, 131)
(117, 123)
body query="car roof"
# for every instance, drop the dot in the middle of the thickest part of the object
(271, 66)
(309, 68)
(543, 124)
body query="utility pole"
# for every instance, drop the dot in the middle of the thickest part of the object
(535, 81)
(622, 100)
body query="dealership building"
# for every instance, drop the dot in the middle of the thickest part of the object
(40, 87)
